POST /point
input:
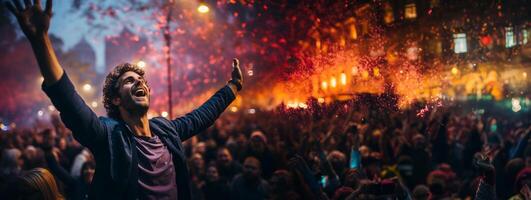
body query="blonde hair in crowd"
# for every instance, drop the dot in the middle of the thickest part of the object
(42, 182)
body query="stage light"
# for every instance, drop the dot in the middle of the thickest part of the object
(94, 104)
(234, 109)
(51, 108)
(40, 113)
(164, 114)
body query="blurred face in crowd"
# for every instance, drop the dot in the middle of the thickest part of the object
(62, 144)
(418, 141)
(200, 148)
(352, 179)
(88, 173)
(280, 181)
(364, 151)
(258, 144)
(38, 138)
(251, 169)
(197, 160)
(224, 157)
(338, 161)
(212, 174)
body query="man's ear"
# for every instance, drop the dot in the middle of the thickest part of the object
(116, 101)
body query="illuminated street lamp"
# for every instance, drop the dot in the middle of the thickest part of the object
(87, 87)
(141, 64)
(202, 8)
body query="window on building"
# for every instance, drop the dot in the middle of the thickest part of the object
(410, 11)
(524, 36)
(388, 16)
(460, 43)
(510, 41)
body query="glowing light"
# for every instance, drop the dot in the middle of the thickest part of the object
(164, 114)
(354, 70)
(460, 43)
(87, 87)
(292, 105)
(410, 11)
(234, 109)
(51, 108)
(510, 40)
(486, 40)
(376, 71)
(320, 100)
(252, 111)
(250, 72)
(524, 74)
(454, 70)
(365, 74)
(141, 64)
(324, 85)
(343, 78)
(94, 104)
(333, 82)
(4, 127)
(296, 104)
(516, 105)
(40, 113)
(202, 8)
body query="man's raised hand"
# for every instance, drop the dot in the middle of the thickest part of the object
(236, 75)
(33, 20)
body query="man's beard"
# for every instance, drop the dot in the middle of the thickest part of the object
(135, 108)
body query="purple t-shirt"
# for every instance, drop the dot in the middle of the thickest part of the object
(156, 174)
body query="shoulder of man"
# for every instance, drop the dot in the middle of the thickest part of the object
(109, 122)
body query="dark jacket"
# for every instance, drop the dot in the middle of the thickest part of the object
(113, 145)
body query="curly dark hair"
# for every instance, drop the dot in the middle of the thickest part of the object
(110, 89)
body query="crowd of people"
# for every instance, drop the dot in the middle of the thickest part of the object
(341, 150)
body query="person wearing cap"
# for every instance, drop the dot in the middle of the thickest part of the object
(258, 148)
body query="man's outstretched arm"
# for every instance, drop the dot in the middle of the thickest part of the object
(77, 116)
(204, 116)
(34, 22)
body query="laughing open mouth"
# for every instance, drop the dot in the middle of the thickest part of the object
(140, 92)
